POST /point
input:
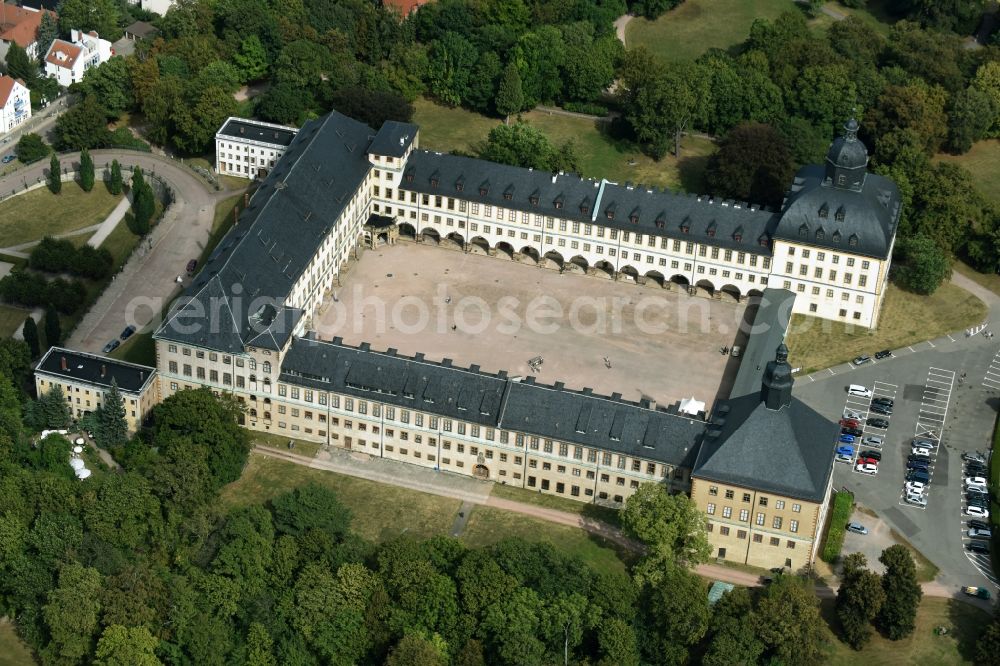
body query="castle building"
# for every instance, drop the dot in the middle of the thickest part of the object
(243, 326)
(250, 148)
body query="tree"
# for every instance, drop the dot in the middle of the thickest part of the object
(859, 600)
(672, 523)
(510, 98)
(111, 83)
(112, 428)
(100, 15)
(285, 103)
(753, 164)
(143, 202)
(115, 184)
(734, 637)
(988, 645)
(260, 646)
(922, 265)
(678, 607)
(450, 60)
(53, 330)
(30, 334)
(311, 507)
(86, 171)
(251, 59)
(19, 65)
(71, 614)
(84, 125)
(522, 145)
(973, 113)
(788, 621)
(617, 643)
(54, 178)
(897, 617)
(371, 107)
(48, 31)
(31, 148)
(414, 650)
(126, 646)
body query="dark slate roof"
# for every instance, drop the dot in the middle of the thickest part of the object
(600, 422)
(699, 219)
(83, 367)
(393, 138)
(768, 331)
(410, 383)
(787, 451)
(277, 236)
(492, 400)
(242, 129)
(870, 215)
(141, 29)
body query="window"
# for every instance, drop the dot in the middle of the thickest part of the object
(746, 497)
(727, 512)
(760, 519)
(796, 508)
(779, 504)
(744, 515)
(710, 509)
(775, 541)
(741, 534)
(713, 490)
(757, 538)
(724, 531)
(776, 523)
(790, 544)
(729, 494)
(762, 501)
(793, 525)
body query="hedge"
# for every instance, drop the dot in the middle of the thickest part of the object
(843, 504)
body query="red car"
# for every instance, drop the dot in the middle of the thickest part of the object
(849, 423)
(863, 459)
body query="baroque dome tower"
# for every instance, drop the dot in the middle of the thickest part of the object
(847, 160)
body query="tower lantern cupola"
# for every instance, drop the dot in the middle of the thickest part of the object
(847, 160)
(776, 389)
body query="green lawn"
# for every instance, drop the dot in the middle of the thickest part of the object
(989, 281)
(13, 652)
(963, 621)
(140, 348)
(456, 129)
(696, 26)
(379, 511)
(906, 318)
(11, 319)
(280, 442)
(983, 162)
(34, 215)
(602, 513)
(487, 526)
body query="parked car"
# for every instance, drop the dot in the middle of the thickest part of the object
(861, 360)
(846, 439)
(915, 487)
(859, 391)
(974, 486)
(866, 460)
(916, 500)
(976, 511)
(877, 455)
(974, 457)
(857, 432)
(867, 468)
(975, 471)
(128, 332)
(857, 528)
(975, 481)
(917, 451)
(975, 492)
(975, 533)
(978, 501)
(918, 465)
(879, 408)
(980, 592)
(849, 423)
(918, 475)
(882, 400)
(874, 440)
(876, 422)
(844, 458)
(982, 547)
(7, 159)
(925, 443)
(885, 353)
(851, 414)
(191, 265)
(111, 346)
(913, 457)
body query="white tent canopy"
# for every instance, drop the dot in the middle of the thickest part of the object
(76, 463)
(692, 406)
(82, 473)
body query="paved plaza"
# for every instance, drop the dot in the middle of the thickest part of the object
(614, 337)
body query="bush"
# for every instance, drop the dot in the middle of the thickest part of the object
(61, 256)
(23, 288)
(123, 138)
(843, 504)
(588, 108)
(31, 148)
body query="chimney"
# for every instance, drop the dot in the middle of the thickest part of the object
(62, 363)
(242, 130)
(104, 370)
(652, 405)
(142, 376)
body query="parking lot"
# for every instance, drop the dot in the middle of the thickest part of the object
(944, 395)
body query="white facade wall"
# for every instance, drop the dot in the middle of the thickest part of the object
(245, 157)
(17, 110)
(93, 52)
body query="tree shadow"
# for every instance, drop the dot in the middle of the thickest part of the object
(692, 173)
(966, 622)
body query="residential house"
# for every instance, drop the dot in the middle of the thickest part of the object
(66, 62)
(15, 103)
(19, 25)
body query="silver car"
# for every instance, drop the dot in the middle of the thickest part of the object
(916, 500)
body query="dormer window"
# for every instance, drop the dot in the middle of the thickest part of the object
(557, 203)
(585, 207)
(660, 222)
(824, 211)
(533, 199)
(853, 240)
(711, 229)
(820, 234)
(483, 191)
(409, 177)
(841, 179)
(610, 214)
(633, 218)
(738, 237)
(508, 195)
(803, 231)
(836, 236)
(841, 213)
(434, 181)
(762, 241)
(459, 185)
(685, 227)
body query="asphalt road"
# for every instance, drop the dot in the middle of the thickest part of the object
(931, 396)
(147, 280)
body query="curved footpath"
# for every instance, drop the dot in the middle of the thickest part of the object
(146, 282)
(479, 492)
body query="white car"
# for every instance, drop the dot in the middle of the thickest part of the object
(920, 451)
(916, 500)
(844, 458)
(975, 481)
(915, 488)
(859, 391)
(977, 511)
(851, 414)
(866, 468)
(979, 534)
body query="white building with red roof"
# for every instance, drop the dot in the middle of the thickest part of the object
(66, 62)
(19, 25)
(15, 103)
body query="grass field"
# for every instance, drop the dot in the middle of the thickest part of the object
(140, 348)
(487, 525)
(906, 318)
(34, 215)
(280, 442)
(11, 319)
(983, 162)
(602, 513)
(989, 281)
(449, 130)
(13, 652)
(379, 511)
(963, 621)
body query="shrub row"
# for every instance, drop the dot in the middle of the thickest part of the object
(843, 504)
(23, 288)
(61, 256)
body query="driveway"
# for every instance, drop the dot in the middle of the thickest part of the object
(146, 283)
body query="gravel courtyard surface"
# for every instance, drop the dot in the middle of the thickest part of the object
(615, 337)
